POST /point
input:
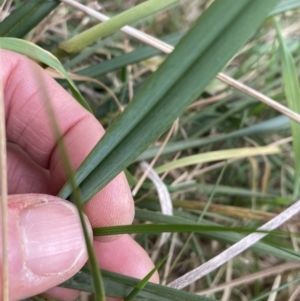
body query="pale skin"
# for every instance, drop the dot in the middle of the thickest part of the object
(36, 174)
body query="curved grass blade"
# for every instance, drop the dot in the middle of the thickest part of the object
(97, 278)
(292, 93)
(26, 17)
(144, 281)
(38, 54)
(120, 286)
(5, 282)
(106, 28)
(41, 55)
(178, 81)
(218, 155)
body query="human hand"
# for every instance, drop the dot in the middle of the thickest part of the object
(46, 244)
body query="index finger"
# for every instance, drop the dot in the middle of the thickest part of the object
(26, 88)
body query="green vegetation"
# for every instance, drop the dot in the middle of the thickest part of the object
(226, 159)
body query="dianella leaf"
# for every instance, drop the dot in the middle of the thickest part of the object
(40, 55)
(26, 17)
(292, 93)
(106, 28)
(182, 77)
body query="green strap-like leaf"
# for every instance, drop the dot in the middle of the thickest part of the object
(26, 17)
(172, 228)
(120, 286)
(197, 59)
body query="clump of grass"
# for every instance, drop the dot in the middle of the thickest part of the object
(232, 117)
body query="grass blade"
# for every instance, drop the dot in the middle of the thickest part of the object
(167, 93)
(96, 274)
(4, 201)
(260, 247)
(26, 17)
(292, 93)
(143, 282)
(284, 286)
(106, 28)
(38, 54)
(170, 228)
(218, 155)
(273, 125)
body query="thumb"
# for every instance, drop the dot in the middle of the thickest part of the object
(46, 244)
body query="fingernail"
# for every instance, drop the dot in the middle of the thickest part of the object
(52, 237)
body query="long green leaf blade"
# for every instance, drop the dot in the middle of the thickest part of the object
(26, 17)
(171, 228)
(196, 60)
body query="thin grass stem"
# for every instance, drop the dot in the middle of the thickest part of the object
(4, 200)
